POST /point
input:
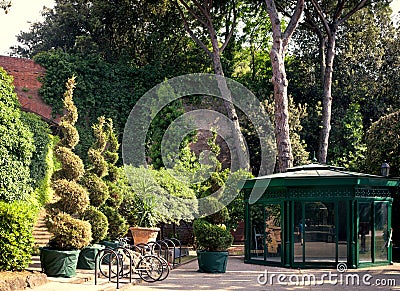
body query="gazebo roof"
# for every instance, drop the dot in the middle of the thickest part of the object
(319, 174)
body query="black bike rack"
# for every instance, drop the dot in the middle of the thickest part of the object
(163, 243)
(110, 252)
(177, 241)
(113, 252)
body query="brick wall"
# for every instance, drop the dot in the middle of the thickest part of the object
(26, 73)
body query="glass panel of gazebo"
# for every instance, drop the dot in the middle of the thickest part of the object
(381, 231)
(320, 235)
(342, 225)
(319, 232)
(298, 232)
(364, 232)
(273, 233)
(257, 234)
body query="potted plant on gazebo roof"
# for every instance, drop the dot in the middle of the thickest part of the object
(70, 234)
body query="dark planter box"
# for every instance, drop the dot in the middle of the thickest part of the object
(87, 255)
(57, 263)
(396, 254)
(212, 262)
(110, 245)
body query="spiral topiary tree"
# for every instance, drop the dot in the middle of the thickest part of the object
(116, 185)
(69, 232)
(93, 180)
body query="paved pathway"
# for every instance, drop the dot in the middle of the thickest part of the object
(240, 276)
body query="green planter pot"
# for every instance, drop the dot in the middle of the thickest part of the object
(57, 263)
(111, 245)
(212, 262)
(87, 257)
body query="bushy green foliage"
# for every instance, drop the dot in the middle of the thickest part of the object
(211, 237)
(16, 145)
(383, 144)
(117, 225)
(98, 222)
(116, 193)
(73, 196)
(155, 197)
(16, 239)
(98, 189)
(347, 141)
(103, 88)
(43, 143)
(68, 231)
(297, 112)
(42, 166)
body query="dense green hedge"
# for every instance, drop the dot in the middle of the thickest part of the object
(108, 89)
(383, 144)
(16, 240)
(41, 167)
(16, 145)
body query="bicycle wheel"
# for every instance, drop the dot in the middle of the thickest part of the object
(108, 264)
(166, 268)
(150, 268)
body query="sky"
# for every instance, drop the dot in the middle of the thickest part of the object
(24, 12)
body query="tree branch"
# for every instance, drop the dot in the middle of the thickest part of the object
(192, 12)
(294, 21)
(359, 6)
(273, 15)
(191, 33)
(231, 31)
(311, 24)
(321, 16)
(339, 9)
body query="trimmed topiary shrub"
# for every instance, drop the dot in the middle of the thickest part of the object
(16, 145)
(211, 237)
(117, 225)
(98, 222)
(68, 231)
(98, 189)
(16, 239)
(116, 181)
(211, 233)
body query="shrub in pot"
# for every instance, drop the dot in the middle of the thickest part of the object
(212, 240)
(98, 194)
(117, 225)
(70, 234)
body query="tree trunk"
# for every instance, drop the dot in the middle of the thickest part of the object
(327, 99)
(277, 55)
(240, 150)
(285, 156)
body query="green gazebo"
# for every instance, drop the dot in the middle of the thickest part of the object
(318, 216)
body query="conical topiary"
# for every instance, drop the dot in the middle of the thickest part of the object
(68, 231)
(98, 189)
(117, 223)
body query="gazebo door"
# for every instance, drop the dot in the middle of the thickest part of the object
(317, 237)
(374, 234)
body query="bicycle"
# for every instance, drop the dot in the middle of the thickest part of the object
(129, 259)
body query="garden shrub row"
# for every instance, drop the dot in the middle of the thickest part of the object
(25, 169)
(16, 239)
